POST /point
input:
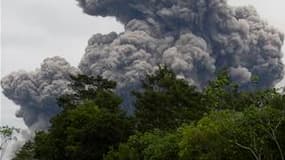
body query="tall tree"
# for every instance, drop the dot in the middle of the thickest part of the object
(87, 133)
(97, 89)
(90, 122)
(166, 102)
(26, 152)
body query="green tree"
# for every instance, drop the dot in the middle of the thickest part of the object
(260, 131)
(26, 152)
(223, 93)
(172, 121)
(255, 133)
(210, 138)
(90, 122)
(205, 140)
(97, 89)
(166, 102)
(154, 145)
(89, 134)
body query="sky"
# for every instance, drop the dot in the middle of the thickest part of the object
(32, 30)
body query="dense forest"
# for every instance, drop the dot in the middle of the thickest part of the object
(172, 121)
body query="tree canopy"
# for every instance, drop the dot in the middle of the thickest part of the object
(173, 120)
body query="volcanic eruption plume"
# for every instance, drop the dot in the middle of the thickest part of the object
(36, 92)
(195, 38)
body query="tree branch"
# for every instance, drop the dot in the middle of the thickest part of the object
(249, 149)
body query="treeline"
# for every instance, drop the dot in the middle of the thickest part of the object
(172, 121)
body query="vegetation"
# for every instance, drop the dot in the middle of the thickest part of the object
(166, 102)
(173, 121)
(27, 152)
(90, 123)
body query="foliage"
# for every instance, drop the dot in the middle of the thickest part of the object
(26, 152)
(208, 139)
(87, 133)
(173, 121)
(6, 131)
(223, 93)
(252, 134)
(259, 133)
(92, 88)
(150, 145)
(90, 122)
(166, 102)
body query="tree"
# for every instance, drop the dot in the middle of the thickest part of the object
(90, 122)
(97, 89)
(155, 145)
(221, 93)
(256, 133)
(89, 133)
(172, 121)
(166, 102)
(259, 132)
(210, 138)
(26, 152)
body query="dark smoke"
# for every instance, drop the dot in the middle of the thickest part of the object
(36, 92)
(195, 38)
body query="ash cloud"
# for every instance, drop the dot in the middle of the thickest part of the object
(195, 38)
(36, 92)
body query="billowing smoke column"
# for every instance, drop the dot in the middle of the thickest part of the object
(195, 38)
(36, 92)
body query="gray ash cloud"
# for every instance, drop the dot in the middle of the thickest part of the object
(195, 38)
(36, 92)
